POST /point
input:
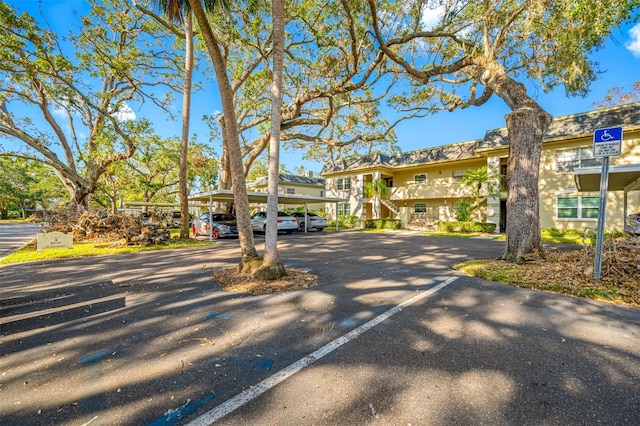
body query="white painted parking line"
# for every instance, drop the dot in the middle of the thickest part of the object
(239, 400)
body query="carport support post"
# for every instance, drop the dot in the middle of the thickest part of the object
(604, 183)
(306, 219)
(210, 217)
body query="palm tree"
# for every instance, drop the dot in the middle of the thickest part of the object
(377, 187)
(186, 117)
(271, 263)
(174, 10)
(476, 180)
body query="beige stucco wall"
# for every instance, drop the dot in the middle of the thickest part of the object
(441, 185)
(298, 190)
(555, 184)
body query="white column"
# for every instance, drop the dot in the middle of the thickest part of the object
(377, 206)
(493, 203)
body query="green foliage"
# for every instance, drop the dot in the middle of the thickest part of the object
(377, 187)
(27, 185)
(466, 227)
(85, 94)
(333, 87)
(548, 41)
(385, 223)
(463, 211)
(480, 181)
(344, 222)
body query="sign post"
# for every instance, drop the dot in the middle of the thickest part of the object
(606, 142)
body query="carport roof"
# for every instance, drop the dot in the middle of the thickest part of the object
(622, 177)
(226, 195)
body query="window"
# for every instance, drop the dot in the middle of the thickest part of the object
(568, 159)
(321, 193)
(421, 178)
(577, 207)
(344, 184)
(459, 173)
(291, 191)
(344, 209)
(420, 208)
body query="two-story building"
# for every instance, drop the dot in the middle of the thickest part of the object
(425, 185)
(290, 184)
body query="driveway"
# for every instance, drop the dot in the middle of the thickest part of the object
(15, 235)
(150, 339)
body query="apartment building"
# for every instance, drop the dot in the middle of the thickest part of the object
(425, 185)
(290, 184)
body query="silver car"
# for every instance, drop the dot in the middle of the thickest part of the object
(222, 225)
(286, 222)
(312, 221)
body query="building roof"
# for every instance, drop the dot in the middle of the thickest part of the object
(576, 125)
(289, 179)
(226, 195)
(457, 151)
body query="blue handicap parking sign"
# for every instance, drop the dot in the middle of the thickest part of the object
(607, 142)
(611, 134)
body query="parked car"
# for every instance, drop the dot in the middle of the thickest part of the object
(286, 222)
(313, 221)
(222, 225)
(174, 218)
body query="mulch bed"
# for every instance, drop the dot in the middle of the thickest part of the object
(295, 279)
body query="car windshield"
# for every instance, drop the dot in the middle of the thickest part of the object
(223, 217)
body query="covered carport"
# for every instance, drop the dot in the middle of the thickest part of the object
(226, 196)
(622, 177)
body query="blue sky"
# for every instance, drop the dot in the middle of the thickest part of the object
(619, 60)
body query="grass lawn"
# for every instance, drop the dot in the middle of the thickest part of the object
(30, 254)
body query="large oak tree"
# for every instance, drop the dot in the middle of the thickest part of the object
(68, 98)
(473, 49)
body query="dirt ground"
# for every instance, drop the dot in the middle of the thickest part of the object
(571, 272)
(294, 280)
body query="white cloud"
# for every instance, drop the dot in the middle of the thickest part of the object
(124, 113)
(634, 42)
(59, 113)
(432, 17)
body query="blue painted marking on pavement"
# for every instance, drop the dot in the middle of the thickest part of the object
(244, 397)
(220, 315)
(173, 417)
(348, 322)
(96, 357)
(266, 364)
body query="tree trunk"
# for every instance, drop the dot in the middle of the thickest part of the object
(224, 181)
(186, 116)
(523, 198)
(271, 234)
(526, 125)
(241, 202)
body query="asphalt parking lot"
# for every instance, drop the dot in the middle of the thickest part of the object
(390, 335)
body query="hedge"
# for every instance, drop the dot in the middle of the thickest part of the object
(466, 227)
(386, 223)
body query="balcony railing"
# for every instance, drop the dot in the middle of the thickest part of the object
(428, 190)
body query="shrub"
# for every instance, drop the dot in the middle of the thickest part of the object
(466, 227)
(463, 211)
(344, 222)
(386, 223)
